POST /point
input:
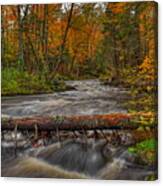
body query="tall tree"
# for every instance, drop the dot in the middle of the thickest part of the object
(62, 48)
(22, 12)
(2, 36)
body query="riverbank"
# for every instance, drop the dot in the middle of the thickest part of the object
(17, 82)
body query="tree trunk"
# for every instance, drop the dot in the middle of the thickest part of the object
(65, 37)
(20, 37)
(138, 55)
(108, 121)
(3, 36)
(46, 34)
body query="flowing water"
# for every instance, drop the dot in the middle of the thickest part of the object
(89, 97)
(71, 158)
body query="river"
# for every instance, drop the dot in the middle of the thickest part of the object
(82, 158)
(89, 97)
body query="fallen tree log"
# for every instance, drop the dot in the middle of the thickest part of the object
(46, 123)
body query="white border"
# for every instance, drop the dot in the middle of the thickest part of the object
(62, 182)
(60, 1)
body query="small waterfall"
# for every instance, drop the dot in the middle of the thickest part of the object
(78, 158)
(93, 159)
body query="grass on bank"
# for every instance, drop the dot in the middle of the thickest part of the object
(15, 82)
(145, 150)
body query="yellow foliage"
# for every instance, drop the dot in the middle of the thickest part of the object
(147, 68)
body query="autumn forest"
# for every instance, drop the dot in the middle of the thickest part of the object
(88, 62)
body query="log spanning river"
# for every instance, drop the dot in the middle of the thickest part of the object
(74, 157)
